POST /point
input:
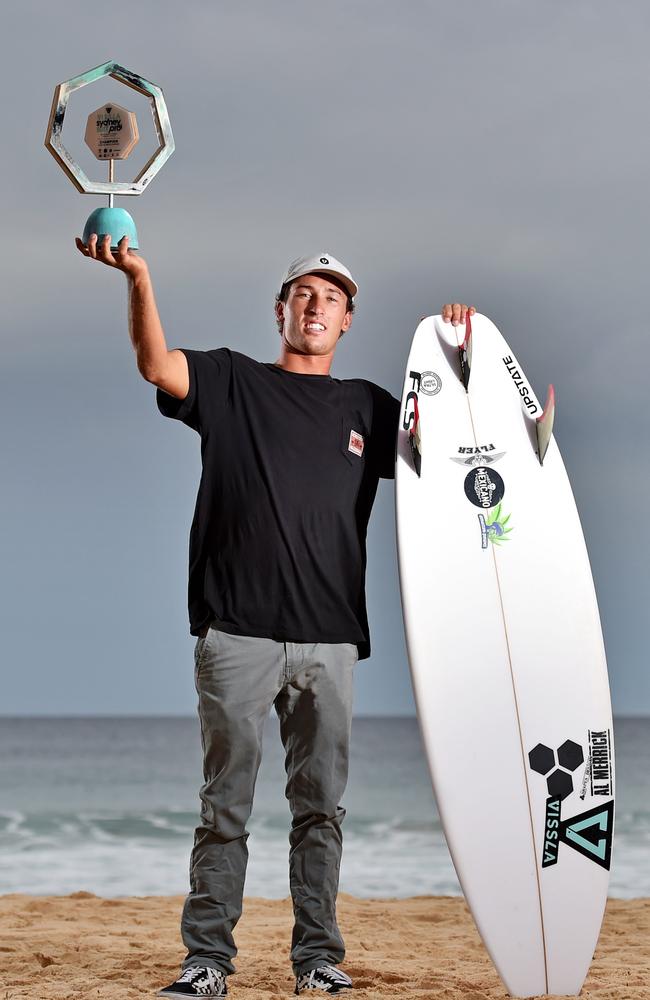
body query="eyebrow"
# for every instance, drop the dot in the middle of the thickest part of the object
(330, 288)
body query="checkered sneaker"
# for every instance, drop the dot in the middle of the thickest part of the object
(326, 978)
(197, 981)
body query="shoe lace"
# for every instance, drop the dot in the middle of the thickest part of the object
(214, 976)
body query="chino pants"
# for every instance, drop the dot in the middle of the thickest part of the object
(238, 679)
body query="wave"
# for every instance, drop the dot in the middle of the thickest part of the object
(129, 853)
(394, 844)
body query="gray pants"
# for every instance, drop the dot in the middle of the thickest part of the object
(238, 679)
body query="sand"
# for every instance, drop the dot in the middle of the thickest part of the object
(81, 945)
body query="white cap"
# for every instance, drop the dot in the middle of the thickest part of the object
(321, 263)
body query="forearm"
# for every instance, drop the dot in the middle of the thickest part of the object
(145, 329)
(166, 369)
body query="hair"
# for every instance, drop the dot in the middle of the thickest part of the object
(283, 295)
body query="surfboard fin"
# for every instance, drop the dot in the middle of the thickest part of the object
(415, 441)
(544, 425)
(465, 353)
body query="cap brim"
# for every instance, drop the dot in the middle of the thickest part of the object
(349, 285)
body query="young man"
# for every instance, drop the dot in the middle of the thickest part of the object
(291, 462)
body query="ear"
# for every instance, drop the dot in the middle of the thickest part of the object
(279, 315)
(346, 324)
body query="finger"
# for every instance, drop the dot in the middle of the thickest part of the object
(82, 247)
(104, 252)
(122, 250)
(446, 313)
(92, 246)
(455, 314)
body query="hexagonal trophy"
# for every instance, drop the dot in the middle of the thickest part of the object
(111, 134)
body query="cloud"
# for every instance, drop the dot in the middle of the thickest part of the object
(492, 153)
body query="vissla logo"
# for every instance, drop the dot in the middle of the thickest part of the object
(430, 383)
(484, 488)
(589, 833)
(551, 832)
(324, 260)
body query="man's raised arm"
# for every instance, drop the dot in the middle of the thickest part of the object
(156, 363)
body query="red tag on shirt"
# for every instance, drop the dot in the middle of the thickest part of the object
(356, 443)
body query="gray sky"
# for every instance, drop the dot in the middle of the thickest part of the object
(490, 152)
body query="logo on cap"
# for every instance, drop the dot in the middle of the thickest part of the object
(324, 260)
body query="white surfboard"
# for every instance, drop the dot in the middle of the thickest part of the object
(506, 655)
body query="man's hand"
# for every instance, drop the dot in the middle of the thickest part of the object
(455, 313)
(123, 259)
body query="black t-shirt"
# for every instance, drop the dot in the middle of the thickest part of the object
(290, 470)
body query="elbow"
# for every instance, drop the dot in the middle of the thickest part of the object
(149, 372)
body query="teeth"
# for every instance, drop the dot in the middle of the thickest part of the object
(315, 326)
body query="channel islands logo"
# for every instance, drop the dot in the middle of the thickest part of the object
(558, 779)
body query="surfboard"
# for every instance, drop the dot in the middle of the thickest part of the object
(506, 654)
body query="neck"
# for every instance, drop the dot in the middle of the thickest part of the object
(304, 364)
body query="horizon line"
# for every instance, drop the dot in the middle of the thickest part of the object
(194, 716)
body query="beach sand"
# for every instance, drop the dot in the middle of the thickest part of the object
(82, 945)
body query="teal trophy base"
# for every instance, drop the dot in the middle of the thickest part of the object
(115, 221)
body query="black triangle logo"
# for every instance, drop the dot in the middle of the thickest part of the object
(590, 833)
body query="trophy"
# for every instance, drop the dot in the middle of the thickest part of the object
(111, 134)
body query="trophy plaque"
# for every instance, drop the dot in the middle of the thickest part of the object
(111, 134)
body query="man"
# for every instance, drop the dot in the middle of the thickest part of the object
(291, 462)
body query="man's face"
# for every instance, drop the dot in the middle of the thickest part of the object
(314, 315)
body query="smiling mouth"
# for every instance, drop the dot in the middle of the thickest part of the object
(315, 327)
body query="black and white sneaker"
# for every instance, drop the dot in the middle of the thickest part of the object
(197, 981)
(326, 978)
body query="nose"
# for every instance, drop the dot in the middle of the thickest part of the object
(316, 305)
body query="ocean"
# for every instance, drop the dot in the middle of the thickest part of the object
(108, 805)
